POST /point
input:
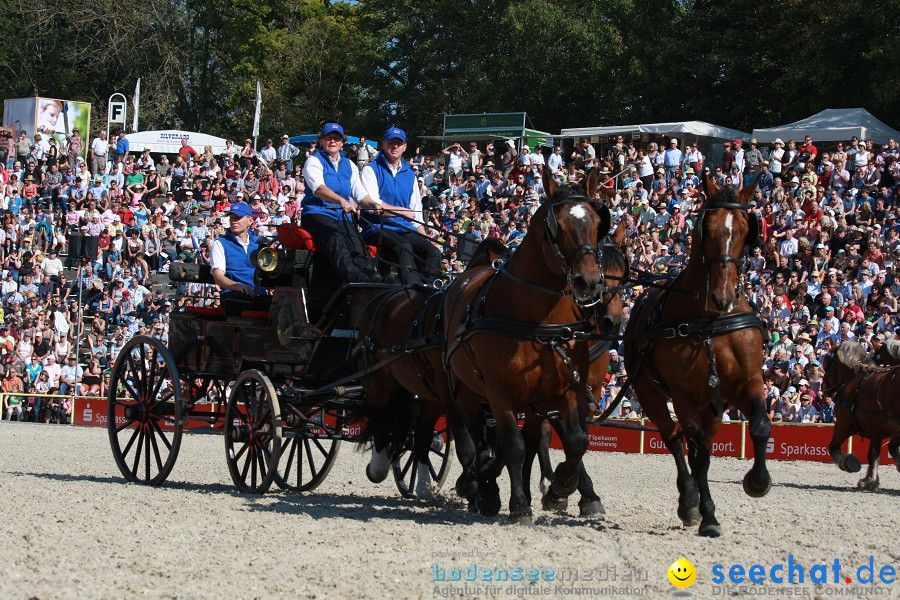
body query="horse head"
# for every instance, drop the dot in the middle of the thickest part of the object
(615, 269)
(573, 227)
(724, 230)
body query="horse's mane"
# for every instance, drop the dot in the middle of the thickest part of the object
(892, 346)
(482, 255)
(852, 355)
(612, 257)
(727, 194)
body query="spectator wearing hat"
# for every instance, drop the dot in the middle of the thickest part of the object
(672, 159)
(122, 146)
(286, 153)
(333, 190)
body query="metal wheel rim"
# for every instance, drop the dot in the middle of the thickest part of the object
(405, 470)
(253, 435)
(148, 394)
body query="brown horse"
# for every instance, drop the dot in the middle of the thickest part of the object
(867, 402)
(699, 343)
(614, 266)
(511, 343)
(404, 323)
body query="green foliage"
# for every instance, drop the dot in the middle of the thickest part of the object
(372, 63)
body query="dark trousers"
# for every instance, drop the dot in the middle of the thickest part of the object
(340, 243)
(419, 261)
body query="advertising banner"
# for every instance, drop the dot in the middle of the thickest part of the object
(798, 442)
(726, 443)
(49, 117)
(91, 412)
(860, 448)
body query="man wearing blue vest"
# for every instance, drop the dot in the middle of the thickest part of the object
(230, 258)
(393, 194)
(332, 192)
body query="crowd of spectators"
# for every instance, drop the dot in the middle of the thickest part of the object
(824, 270)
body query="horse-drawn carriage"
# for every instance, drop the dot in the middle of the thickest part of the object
(281, 383)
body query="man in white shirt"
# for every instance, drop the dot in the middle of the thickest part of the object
(555, 161)
(98, 151)
(393, 191)
(268, 154)
(52, 266)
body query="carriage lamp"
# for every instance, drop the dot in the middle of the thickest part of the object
(269, 260)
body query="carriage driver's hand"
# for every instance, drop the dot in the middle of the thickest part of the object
(349, 206)
(242, 288)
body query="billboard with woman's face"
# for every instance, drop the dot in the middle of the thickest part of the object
(49, 117)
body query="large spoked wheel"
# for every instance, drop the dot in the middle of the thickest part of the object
(144, 410)
(406, 471)
(306, 459)
(253, 432)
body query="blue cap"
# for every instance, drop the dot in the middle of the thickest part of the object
(240, 209)
(395, 133)
(331, 128)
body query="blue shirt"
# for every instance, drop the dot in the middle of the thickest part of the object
(122, 147)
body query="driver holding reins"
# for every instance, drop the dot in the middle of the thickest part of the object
(230, 259)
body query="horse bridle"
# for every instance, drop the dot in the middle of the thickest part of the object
(725, 259)
(551, 228)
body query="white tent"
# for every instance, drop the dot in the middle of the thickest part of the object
(832, 125)
(168, 141)
(681, 129)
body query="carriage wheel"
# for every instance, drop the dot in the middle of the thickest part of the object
(144, 408)
(306, 460)
(252, 432)
(405, 468)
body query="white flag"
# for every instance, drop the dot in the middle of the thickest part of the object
(258, 111)
(137, 105)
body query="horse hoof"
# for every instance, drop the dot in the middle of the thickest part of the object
(520, 519)
(689, 515)
(551, 501)
(754, 490)
(711, 530)
(488, 506)
(545, 484)
(591, 508)
(850, 464)
(375, 477)
(868, 484)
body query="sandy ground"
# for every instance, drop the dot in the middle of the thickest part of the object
(73, 529)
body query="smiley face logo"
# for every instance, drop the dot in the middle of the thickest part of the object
(682, 573)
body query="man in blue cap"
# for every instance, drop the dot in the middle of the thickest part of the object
(333, 191)
(394, 205)
(230, 256)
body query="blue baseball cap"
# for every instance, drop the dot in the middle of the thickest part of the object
(395, 133)
(240, 209)
(331, 128)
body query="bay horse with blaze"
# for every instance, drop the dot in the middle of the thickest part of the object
(700, 343)
(512, 343)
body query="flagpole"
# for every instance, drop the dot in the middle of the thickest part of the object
(137, 105)
(256, 115)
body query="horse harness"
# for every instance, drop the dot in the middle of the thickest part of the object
(705, 328)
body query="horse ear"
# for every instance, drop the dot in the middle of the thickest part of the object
(747, 192)
(709, 186)
(618, 236)
(590, 186)
(550, 184)
(605, 222)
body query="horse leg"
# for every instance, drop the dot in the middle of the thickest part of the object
(870, 481)
(894, 449)
(843, 429)
(513, 454)
(575, 441)
(699, 459)
(462, 424)
(379, 464)
(532, 433)
(488, 468)
(549, 499)
(688, 494)
(757, 481)
(589, 505)
(423, 439)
